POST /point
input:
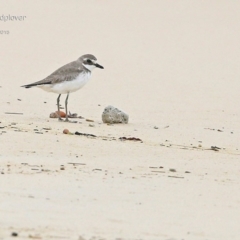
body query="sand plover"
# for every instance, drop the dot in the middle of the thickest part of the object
(69, 78)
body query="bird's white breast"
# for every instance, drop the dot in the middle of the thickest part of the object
(68, 86)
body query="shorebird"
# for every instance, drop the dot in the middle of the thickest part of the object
(68, 78)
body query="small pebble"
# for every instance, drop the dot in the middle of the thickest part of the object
(172, 170)
(57, 114)
(61, 114)
(14, 234)
(66, 131)
(53, 115)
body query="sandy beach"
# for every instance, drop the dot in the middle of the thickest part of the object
(173, 66)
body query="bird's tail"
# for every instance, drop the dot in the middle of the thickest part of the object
(27, 86)
(35, 84)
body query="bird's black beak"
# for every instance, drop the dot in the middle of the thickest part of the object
(99, 66)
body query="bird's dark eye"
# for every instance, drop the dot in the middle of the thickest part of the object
(89, 61)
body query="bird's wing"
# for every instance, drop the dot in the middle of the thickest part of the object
(67, 72)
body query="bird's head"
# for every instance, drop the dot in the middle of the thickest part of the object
(89, 62)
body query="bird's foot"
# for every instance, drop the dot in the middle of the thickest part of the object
(72, 115)
(67, 120)
(60, 119)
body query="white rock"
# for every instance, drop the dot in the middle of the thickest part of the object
(114, 115)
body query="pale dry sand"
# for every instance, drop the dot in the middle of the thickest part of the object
(173, 65)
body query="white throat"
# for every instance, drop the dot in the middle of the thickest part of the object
(89, 67)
